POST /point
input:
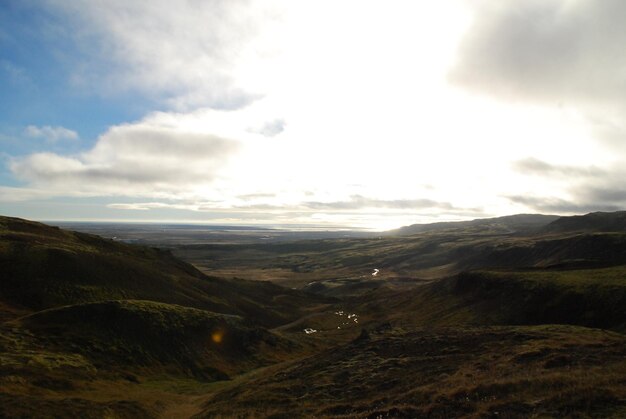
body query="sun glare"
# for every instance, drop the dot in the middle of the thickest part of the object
(217, 336)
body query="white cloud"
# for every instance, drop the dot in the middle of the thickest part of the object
(554, 50)
(358, 212)
(50, 134)
(12, 194)
(146, 206)
(184, 53)
(570, 189)
(270, 128)
(565, 53)
(154, 156)
(533, 166)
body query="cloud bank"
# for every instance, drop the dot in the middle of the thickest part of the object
(557, 51)
(533, 166)
(142, 158)
(583, 189)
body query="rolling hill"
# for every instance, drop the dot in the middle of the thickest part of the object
(595, 222)
(45, 267)
(516, 317)
(85, 317)
(429, 255)
(520, 223)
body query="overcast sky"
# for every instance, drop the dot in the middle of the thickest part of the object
(371, 114)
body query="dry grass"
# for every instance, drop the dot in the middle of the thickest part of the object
(516, 372)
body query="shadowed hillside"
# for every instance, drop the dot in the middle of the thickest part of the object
(591, 297)
(138, 334)
(75, 349)
(521, 223)
(596, 221)
(90, 341)
(45, 267)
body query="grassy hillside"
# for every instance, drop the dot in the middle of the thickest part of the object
(81, 350)
(96, 328)
(144, 333)
(595, 221)
(520, 223)
(45, 267)
(511, 372)
(591, 297)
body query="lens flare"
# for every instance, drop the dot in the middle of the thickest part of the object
(217, 336)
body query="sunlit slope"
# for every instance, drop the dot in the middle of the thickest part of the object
(44, 267)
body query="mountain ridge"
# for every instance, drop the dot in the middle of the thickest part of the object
(511, 223)
(595, 221)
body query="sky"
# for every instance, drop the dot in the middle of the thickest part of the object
(350, 113)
